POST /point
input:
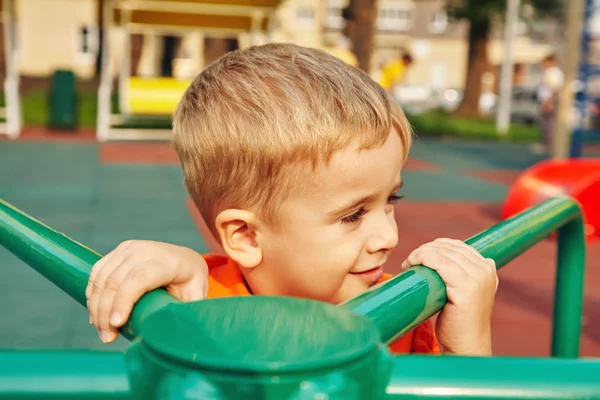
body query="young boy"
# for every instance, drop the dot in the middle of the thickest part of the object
(293, 159)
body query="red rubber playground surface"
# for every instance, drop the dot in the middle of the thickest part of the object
(101, 194)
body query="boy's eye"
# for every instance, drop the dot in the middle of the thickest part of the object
(394, 199)
(354, 218)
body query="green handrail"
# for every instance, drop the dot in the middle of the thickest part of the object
(401, 303)
(346, 356)
(65, 262)
(84, 375)
(455, 377)
(63, 374)
(396, 306)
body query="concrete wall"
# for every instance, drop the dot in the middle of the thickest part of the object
(49, 36)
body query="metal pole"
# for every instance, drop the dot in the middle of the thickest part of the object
(561, 140)
(568, 290)
(104, 90)
(506, 75)
(125, 66)
(11, 81)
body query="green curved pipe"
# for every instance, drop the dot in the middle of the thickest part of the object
(156, 362)
(401, 303)
(64, 261)
(396, 306)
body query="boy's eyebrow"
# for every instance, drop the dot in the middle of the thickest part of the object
(355, 203)
(347, 207)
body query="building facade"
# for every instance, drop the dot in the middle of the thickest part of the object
(55, 34)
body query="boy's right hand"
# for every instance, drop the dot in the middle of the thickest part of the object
(464, 326)
(118, 280)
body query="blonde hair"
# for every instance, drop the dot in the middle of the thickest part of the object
(253, 113)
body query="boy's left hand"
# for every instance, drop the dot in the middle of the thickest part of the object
(464, 325)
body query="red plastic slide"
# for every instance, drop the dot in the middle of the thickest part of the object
(578, 178)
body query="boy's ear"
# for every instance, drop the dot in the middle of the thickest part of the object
(237, 230)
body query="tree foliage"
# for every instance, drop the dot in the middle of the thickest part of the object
(480, 14)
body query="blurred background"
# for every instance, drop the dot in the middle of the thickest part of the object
(456, 50)
(493, 89)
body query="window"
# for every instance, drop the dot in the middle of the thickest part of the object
(333, 18)
(399, 17)
(87, 44)
(438, 21)
(305, 17)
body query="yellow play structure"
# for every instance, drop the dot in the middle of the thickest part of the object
(157, 97)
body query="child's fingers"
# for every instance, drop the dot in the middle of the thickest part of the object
(466, 257)
(475, 265)
(99, 283)
(442, 261)
(106, 260)
(94, 272)
(461, 244)
(196, 289)
(103, 305)
(139, 280)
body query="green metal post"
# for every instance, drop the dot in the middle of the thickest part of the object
(64, 262)
(401, 303)
(62, 374)
(569, 289)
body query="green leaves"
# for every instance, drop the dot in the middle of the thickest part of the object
(480, 10)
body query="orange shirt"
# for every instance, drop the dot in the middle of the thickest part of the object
(225, 280)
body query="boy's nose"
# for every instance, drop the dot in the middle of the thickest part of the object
(385, 234)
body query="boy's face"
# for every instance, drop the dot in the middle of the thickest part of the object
(337, 228)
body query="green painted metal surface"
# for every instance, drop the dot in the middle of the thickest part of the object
(65, 375)
(259, 348)
(430, 377)
(283, 348)
(401, 303)
(64, 262)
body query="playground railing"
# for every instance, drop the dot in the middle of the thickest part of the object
(177, 354)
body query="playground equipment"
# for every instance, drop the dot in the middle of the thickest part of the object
(578, 178)
(11, 112)
(156, 98)
(283, 348)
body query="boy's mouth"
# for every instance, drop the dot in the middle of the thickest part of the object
(370, 276)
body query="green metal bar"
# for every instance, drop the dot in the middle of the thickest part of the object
(63, 374)
(396, 306)
(569, 290)
(401, 303)
(64, 262)
(434, 377)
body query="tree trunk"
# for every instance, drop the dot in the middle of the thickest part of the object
(360, 28)
(477, 65)
(216, 47)
(137, 44)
